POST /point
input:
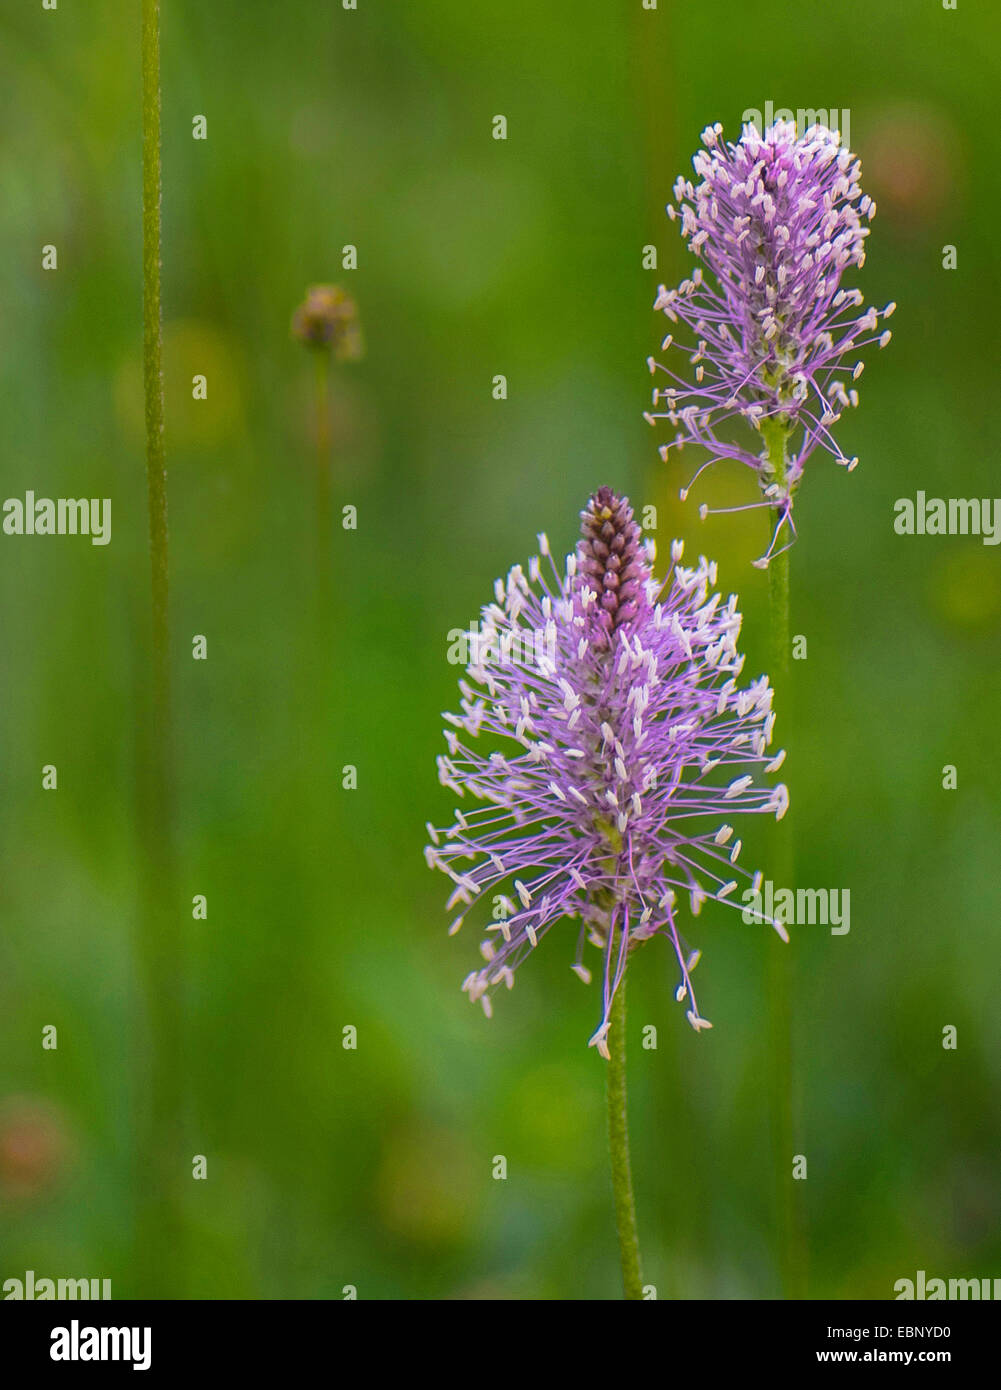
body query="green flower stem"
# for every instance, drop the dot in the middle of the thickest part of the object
(158, 956)
(324, 480)
(779, 966)
(778, 603)
(618, 1145)
(156, 472)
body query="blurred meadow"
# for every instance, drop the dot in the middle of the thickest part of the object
(372, 1167)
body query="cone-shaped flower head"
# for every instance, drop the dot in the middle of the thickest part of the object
(617, 751)
(776, 220)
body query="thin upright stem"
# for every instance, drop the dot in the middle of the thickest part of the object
(324, 480)
(157, 943)
(778, 975)
(778, 603)
(779, 983)
(156, 472)
(618, 1146)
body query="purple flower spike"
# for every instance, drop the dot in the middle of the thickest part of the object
(611, 756)
(777, 220)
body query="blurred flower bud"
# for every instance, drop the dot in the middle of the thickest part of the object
(914, 163)
(328, 318)
(34, 1147)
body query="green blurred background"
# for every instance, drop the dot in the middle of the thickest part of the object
(330, 1167)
